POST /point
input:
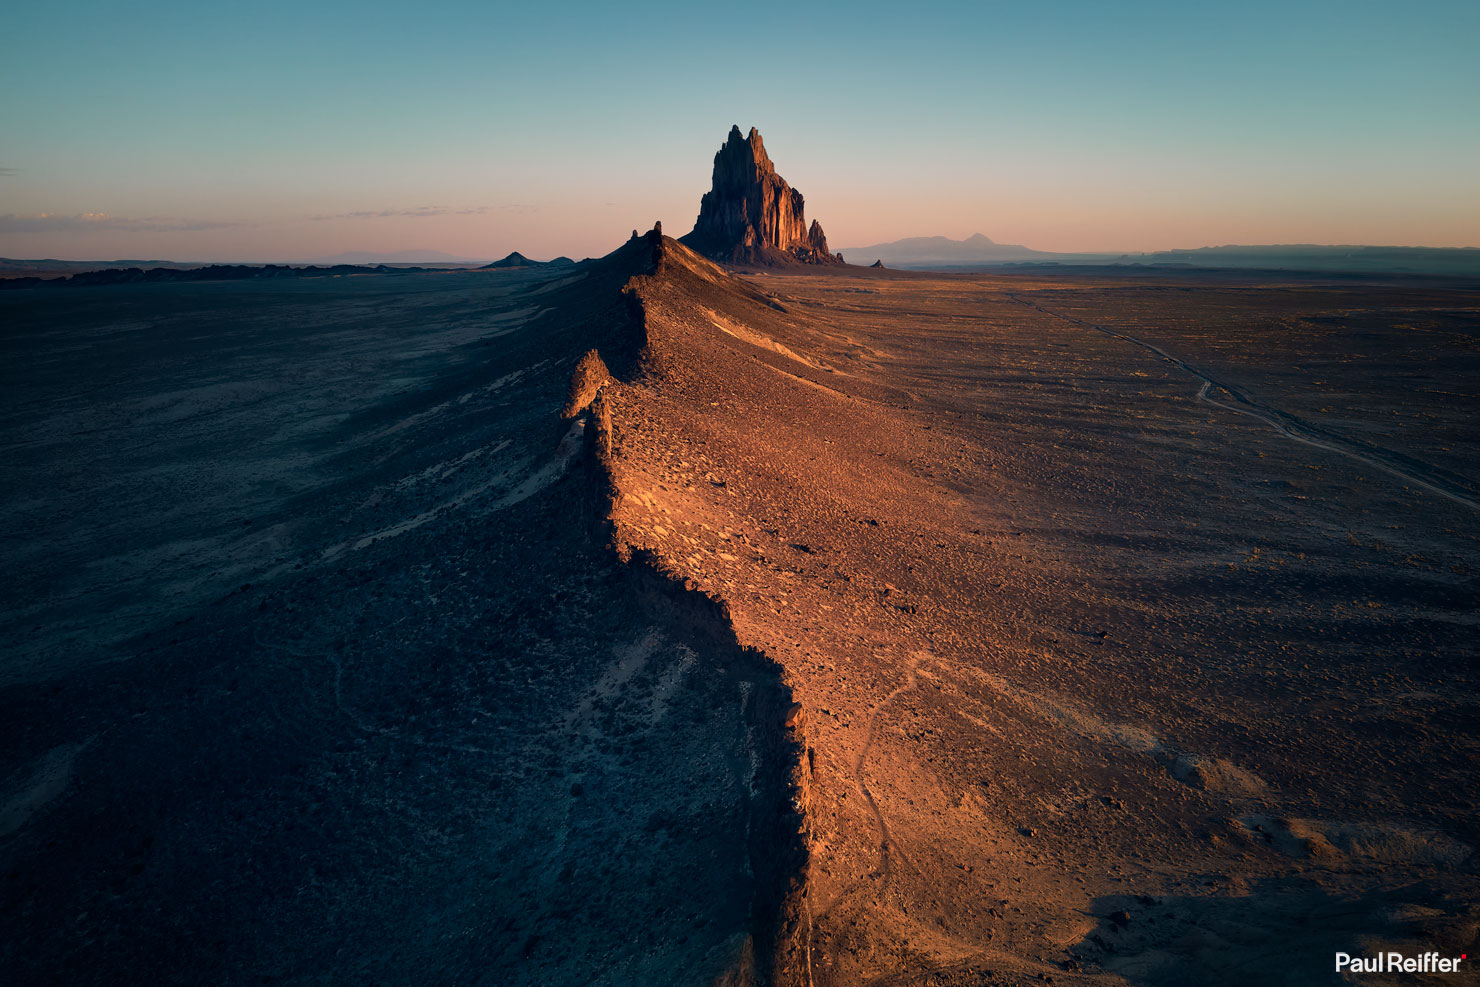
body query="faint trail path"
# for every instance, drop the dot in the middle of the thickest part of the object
(882, 870)
(808, 899)
(1406, 468)
(911, 679)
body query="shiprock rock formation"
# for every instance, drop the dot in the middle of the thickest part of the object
(751, 216)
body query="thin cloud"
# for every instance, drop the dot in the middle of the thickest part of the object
(423, 211)
(94, 222)
(7, 172)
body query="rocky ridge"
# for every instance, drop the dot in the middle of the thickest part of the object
(780, 755)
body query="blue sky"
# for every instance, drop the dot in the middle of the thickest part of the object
(279, 131)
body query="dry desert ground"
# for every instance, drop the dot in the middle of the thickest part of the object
(649, 622)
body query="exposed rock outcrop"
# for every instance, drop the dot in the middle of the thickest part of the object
(589, 376)
(750, 215)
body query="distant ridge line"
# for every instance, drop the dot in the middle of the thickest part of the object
(212, 272)
(975, 252)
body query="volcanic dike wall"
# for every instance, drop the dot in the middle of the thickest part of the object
(778, 749)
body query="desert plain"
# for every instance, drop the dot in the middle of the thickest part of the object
(648, 621)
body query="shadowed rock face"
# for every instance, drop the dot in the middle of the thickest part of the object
(449, 802)
(750, 215)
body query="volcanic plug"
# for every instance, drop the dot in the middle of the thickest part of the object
(751, 215)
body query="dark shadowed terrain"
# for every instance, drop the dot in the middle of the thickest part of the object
(313, 671)
(1130, 626)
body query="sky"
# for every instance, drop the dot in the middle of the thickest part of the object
(288, 131)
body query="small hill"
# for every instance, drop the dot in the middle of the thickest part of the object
(516, 259)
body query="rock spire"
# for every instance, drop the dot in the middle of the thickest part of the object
(750, 215)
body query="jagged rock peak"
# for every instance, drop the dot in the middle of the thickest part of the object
(750, 215)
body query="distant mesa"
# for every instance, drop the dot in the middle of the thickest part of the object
(751, 216)
(877, 263)
(213, 272)
(978, 252)
(395, 257)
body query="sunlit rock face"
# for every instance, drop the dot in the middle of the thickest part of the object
(750, 215)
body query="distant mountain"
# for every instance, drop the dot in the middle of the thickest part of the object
(924, 252)
(394, 257)
(917, 251)
(1317, 257)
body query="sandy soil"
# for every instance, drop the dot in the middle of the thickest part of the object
(1109, 674)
